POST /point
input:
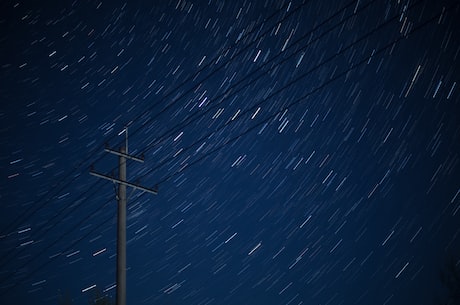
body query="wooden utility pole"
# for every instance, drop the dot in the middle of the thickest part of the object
(123, 156)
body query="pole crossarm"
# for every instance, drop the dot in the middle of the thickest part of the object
(133, 185)
(122, 154)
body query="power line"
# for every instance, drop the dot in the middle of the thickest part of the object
(224, 96)
(164, 162)
(21, 218)
(37, 208)
(300, 99)
(49, 225)
(77, 241)
(30, 213)
(73, 228)
(27, 214)
(221, 66)
(224, 64)
(280, 90)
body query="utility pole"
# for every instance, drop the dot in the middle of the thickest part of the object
(123, 156)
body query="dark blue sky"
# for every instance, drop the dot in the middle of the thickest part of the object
(306, 152)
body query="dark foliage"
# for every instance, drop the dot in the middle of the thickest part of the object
(450, 278)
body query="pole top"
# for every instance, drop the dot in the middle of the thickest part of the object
(125, 131)
(126, 134)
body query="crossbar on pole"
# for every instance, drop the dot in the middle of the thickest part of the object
(133, 185)
(122, 154)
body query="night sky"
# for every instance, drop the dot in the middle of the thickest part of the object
(305, 152)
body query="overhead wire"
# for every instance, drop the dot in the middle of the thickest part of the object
(68, 248)
(49, 224)
(52, 192)
(283, 88)
(212, 62)
(218, 68)
(61, 186)
(69, 231)
(229, 92)
(280, 90)
(225, 95)
(238, 83)
(365, 60)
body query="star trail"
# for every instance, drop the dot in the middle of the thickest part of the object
(304, 151)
